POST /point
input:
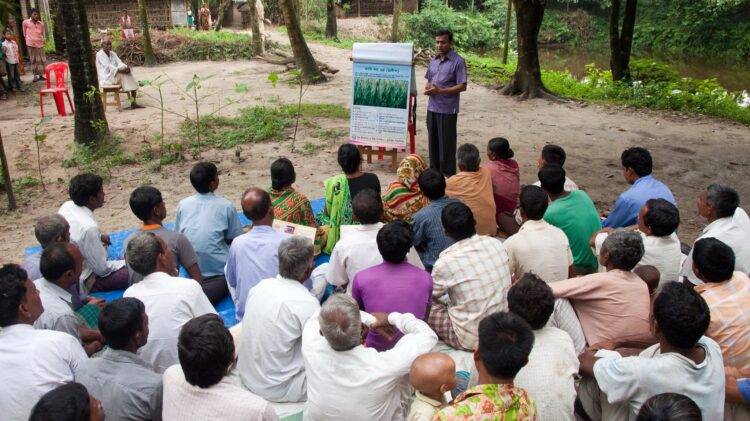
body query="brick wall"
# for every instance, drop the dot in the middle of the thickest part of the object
(106, 13)
(379, 7)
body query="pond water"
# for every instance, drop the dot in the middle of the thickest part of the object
(735, 78)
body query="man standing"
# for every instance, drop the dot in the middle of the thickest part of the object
(33, 32)
(126, 22)
(112, 71)
(446, 79)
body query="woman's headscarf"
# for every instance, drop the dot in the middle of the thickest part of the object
(403, 198)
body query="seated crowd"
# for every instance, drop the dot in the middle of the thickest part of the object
(566, 312)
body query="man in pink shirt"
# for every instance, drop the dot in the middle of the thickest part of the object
(613, 304)
(33, 32)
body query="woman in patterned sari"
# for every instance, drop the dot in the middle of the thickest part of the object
(288, 204)
(403, 198)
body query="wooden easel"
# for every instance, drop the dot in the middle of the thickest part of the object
(368, 151)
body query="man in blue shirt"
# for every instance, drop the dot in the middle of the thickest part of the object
(637, 166)
(210, 222)
(254, 256)
(429, 234)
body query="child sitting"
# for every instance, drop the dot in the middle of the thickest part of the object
(432, 375)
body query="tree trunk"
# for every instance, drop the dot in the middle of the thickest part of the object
(222, 11)
(396, 17)
(195, 7)
(258, 44)
(331, 28)
(527, 80)
(148, 49)
(58, 35)
(6, 177)
(90, 121)
(621, 40)
(302, 55)
(506, 42)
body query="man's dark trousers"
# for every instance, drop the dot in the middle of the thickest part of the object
(441, 129)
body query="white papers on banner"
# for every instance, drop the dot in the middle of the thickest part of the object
(381, 80)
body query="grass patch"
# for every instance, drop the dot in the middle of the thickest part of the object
(25, 182)
(319, 38)
(656, 87)
(100, 158)
(212, 36)
(319, 110)
(253, 124)
(329, 135)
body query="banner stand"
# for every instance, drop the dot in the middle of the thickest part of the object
(367, 151)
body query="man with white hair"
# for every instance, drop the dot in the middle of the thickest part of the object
(270, 356)
(112, 71)
(170, 301)
(347, 381)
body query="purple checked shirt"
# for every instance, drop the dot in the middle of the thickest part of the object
(449, 72)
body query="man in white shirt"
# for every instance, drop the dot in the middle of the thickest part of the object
(61, 268)
(199, 387)
(538, 247)
(471, 279)
(658, 221)
(345, 380)
(719, 204)
(549, 376)
(112, 71)
(170, 301)
(270, 358)
(99, 274)
(357, 250)
(684, 361)
(32, 361)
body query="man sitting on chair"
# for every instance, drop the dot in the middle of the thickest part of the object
(112, 71)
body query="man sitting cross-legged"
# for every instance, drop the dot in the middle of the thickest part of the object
(253, 256)
(553, 363)
(347, 381)
(86, 193)
(32, 361)
(473, 186)
(170, 301)
(615, 303)
(356, 250)
(505, 342)
(395, 284)
(148, 206)
(126, 385)
(727, 294)
(429, 235)
(47, 230)
(61, 267)
(473, 274)
(199, 388)
(683, 361)
(209, 221)
(270, 357)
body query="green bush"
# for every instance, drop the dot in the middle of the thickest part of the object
(471, 29)
(649, 70)
(254, 124)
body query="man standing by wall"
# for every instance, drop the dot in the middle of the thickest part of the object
(446, 79)
(33, 32)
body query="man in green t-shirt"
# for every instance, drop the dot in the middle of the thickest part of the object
(574, 213)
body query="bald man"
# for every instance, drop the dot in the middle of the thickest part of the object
(432, 375)
(254, 256)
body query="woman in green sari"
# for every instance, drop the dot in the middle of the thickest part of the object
(340, 189)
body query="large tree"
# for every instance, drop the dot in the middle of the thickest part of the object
(396, 16)
(621, 39)
(90, 121)
(148, 50)
(332, 30)
(527, 80)
(302, 55)
(258, 44)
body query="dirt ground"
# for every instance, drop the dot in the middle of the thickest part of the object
(689, 153)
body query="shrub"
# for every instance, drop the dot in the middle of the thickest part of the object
(470, 29)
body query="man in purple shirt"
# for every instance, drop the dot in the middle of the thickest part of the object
(253, 256)
(394, 285)
(446, 79)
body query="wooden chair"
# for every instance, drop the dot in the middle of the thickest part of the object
(115, 90)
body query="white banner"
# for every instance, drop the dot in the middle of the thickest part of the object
(381, 82)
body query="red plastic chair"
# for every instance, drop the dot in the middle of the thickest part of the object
(60, 71)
